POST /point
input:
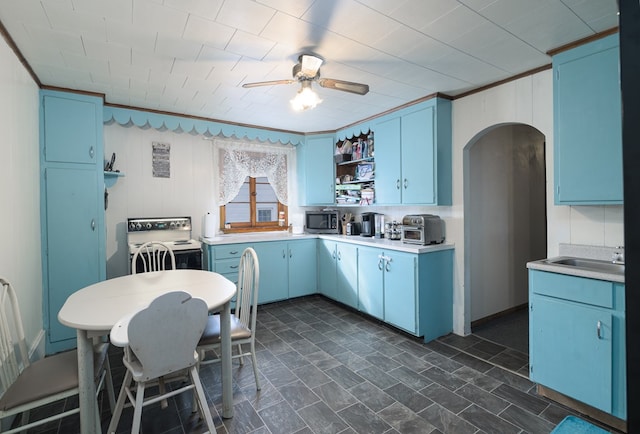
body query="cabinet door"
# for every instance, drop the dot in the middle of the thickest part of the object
(74, 257)
(347, 274)
(370, 281)
(418, 158)
(70, 130)
(400, 297)
(571, 350)
(388, 163)
(302, 268)
(273, 281)
(587, 124)
(327, 268)
(317, 171)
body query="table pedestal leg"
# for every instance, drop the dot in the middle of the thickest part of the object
(225, 347)
(89, 423)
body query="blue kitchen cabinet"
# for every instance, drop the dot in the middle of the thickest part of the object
(588, 124)
(72, 205)
(338, 272)
(577, 339)
(413, 155)
(327, 266)
(413, 292)
(316, 175)
(272, 257)
(371, 281)
(388, 171)
(225, 259)
(303, 270)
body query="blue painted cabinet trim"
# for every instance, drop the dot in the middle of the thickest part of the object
(588, 124)
(72, 205)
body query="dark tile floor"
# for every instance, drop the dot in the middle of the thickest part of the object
(327, 369)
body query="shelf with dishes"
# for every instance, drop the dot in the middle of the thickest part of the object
(355, 170)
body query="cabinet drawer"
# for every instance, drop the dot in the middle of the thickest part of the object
(229, 251)
(574, 288)
(227, 266)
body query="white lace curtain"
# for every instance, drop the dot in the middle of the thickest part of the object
(239, 159)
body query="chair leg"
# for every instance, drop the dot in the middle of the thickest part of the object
(240, 352)
(109, 379)
(202, 399)
(137, 409)
(254, 362)
(122, 396)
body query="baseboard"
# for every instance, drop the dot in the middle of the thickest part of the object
(593, 413)
(500, 314)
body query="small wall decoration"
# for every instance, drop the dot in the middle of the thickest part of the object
(161, 160)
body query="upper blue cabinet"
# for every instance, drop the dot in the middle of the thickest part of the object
(413, 155)
(588, 127)
(316, 177)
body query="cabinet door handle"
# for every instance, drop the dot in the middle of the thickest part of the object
(339, 256)
(386, 267)
(93, 225)
(91, 152)
(599, 329)
(290, 253)
(234, 266)
(405, 183)
(235, 252)
(333, 254)
(284, 254)
(398, 184)
(380, 263)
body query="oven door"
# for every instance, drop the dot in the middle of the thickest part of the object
(413, 234)
(185, 259)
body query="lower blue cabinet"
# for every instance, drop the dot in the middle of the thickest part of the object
(576, 336)
(303, 270)
(337, 271)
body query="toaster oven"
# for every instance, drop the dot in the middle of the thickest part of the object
(423, 229)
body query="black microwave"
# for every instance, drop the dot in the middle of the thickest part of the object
(322, 222)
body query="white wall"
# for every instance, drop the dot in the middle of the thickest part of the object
(528, 100)
(20, 257)
(191, 189)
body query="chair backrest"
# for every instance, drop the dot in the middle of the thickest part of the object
(14, 357)
(153, 256)
(247, 290)
(163, 337)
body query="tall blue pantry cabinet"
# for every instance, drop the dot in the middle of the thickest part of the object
(72, 204)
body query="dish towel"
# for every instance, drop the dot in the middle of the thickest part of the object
(575, 425)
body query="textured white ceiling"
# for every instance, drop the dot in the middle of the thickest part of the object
(192, 56)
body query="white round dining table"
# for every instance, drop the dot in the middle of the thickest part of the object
(95, 309)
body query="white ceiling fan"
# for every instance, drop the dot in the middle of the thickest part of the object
(306, 71)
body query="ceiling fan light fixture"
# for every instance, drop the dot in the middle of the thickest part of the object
(306, 98)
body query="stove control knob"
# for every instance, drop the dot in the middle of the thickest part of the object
(172, 225)
(148, 226)
(132, 226)
(138, 226)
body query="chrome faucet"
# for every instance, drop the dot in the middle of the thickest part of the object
(617, 257)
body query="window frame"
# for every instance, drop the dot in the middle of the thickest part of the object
(253, 225)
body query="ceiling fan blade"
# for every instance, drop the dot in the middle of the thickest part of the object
(310, 65)
(346, 86)
(268, 83)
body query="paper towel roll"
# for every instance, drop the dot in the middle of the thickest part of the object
(210, 225)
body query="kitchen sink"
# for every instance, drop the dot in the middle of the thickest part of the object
(588, 264)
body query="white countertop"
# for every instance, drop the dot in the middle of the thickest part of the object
(544, 265)
(353, 239)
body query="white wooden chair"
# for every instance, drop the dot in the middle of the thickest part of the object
(25, 386)
(159, 341)
(243, 321)
(153, 256)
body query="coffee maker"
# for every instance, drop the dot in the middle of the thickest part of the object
(368, 227)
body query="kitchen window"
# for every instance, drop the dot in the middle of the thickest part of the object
(253, 185)
(256, 207)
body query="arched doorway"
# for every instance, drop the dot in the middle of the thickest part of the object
(505, 220)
